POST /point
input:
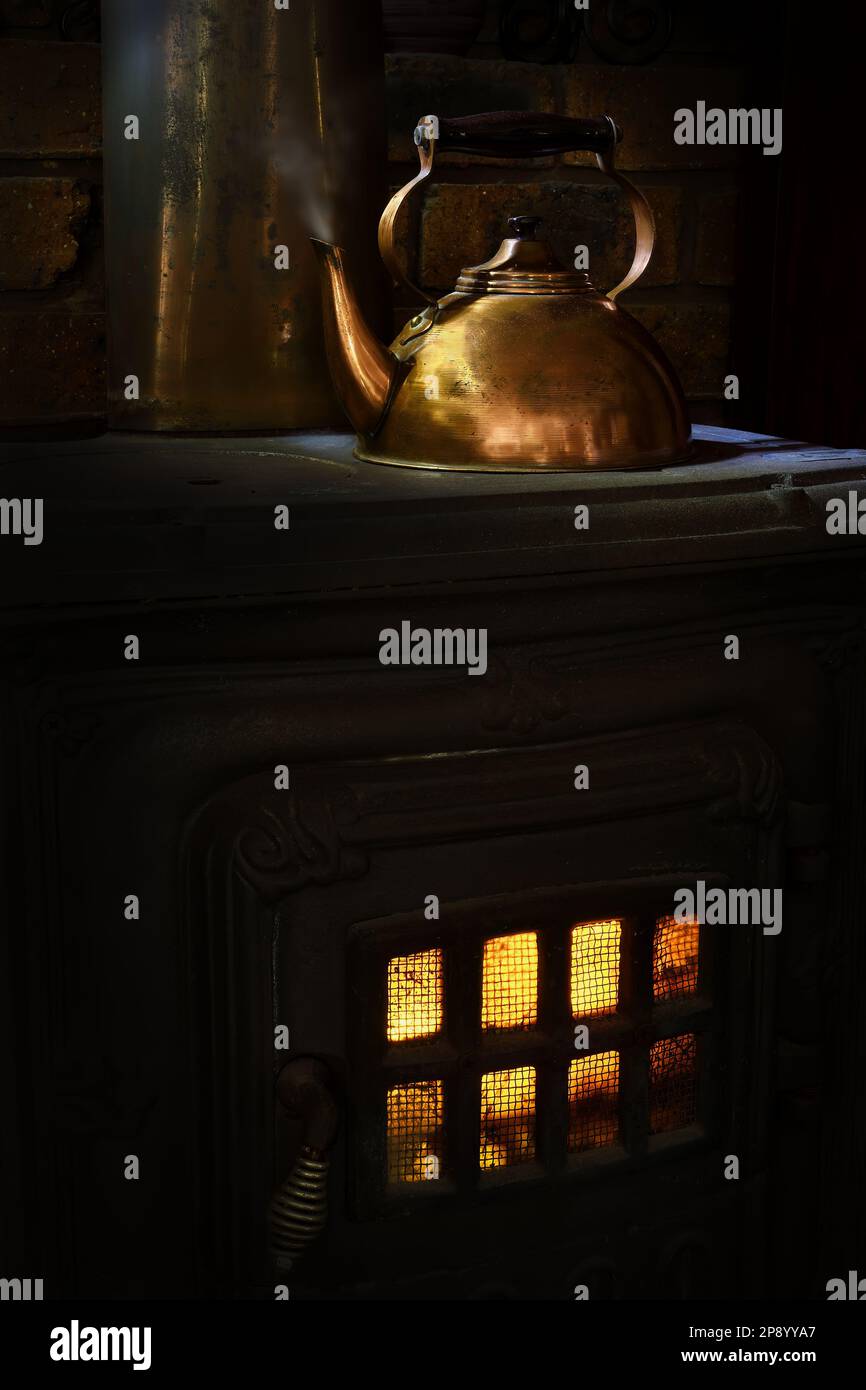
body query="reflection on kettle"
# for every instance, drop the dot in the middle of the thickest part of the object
(524, 366)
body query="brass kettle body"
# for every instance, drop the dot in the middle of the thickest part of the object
(524, 366)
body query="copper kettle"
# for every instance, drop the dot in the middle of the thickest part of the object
(524, 366)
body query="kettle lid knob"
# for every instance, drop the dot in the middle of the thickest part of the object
(524, 228)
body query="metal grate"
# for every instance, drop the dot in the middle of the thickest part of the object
(415, 996)
(601, 1088)
(673, 1083)
(593, 1101)
(676, 948)
(507, 1117)
(415, 1131)
(509, 996)
(595, 952)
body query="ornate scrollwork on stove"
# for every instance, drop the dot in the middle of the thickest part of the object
(833, 651)
(722, 768)
(81, 20)
(619, 31)
(522, 694)
(628, 31)
(278, 853)
(749, 778)
(539, 31)
(71, 729)
(325, 829)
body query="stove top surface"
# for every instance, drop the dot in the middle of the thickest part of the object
(173, 517)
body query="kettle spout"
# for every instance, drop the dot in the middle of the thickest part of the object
(362, 368)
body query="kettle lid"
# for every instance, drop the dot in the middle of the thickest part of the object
(524, 264)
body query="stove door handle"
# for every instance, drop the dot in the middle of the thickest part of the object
(299, 1207)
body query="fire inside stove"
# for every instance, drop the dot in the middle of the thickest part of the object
(511, 1006)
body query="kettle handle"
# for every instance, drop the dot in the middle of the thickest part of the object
(518, 135)
(525, 134)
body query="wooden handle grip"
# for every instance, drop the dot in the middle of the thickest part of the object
(524, 134)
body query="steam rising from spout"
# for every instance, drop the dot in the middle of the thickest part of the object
(304, 170)
(308, 164)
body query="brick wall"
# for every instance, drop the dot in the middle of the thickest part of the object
(684, 297)
(52, 324)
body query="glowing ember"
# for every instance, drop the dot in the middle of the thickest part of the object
(415, 996)
(415, 1131)
(507, 1117)
(593, 1101)
(595, 950)
(510, 982)
(673, 1082)
(675, 958)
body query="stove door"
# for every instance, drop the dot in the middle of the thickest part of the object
(540, 1083)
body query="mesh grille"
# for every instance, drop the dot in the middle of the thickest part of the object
(673, 1083)
(510, 982)
(595, 949)
(507, 1117)
(414, 996)
(415, 1131)
(675, 958)
(593, 1101)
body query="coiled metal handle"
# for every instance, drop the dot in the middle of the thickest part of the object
(299, 1207)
